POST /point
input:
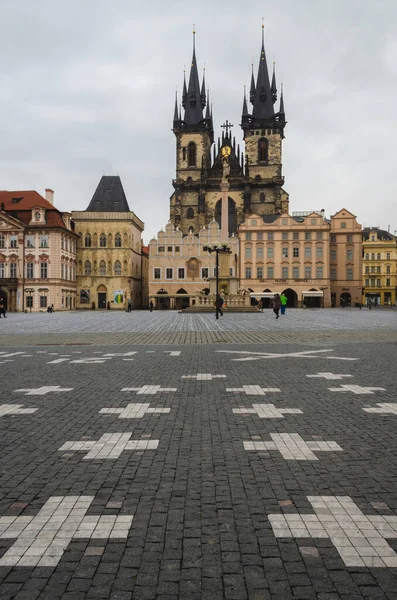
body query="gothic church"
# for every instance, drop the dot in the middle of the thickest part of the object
(255, 182)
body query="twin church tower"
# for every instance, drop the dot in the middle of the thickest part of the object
(254, 181)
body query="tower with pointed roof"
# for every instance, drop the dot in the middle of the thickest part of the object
(263, 130)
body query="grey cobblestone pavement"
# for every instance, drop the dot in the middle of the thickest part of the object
(229, 495)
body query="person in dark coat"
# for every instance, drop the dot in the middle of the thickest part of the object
(2, 308)
(151, 305)
(219, 304)
(276, 305)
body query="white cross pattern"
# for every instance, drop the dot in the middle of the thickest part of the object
(357, 389)
(359, 539)
(47, 389)
(384, 408)
(8, 354)
(41, 540)
(121, 353)
(81, 361)
(303, 354)
(15, 409)
(253, 390)
(293, 447)
(134, 411)
(173, 352)
(110, 445)
(330, 375)
(204, 377)
(148, 389)
(267, 411)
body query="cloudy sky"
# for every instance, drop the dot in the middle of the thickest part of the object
(87, 89)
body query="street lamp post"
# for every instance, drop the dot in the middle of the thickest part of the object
(223, 249)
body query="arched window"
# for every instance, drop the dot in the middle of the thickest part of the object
(87, 268)
(102, 268)
(117, 267)
(367, 256)
(117, 240)
(191, 154)
(87, 241)
(102, 240)
(263, 150)
(190, 213)
(372, 256)
(378, 256)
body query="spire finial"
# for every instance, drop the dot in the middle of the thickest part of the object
(194, 37)
(263, 32)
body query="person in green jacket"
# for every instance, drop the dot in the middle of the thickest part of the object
(283, 300)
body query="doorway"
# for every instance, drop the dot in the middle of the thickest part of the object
(345, 299)
(4, 297)
(101, 299)
(292, 298)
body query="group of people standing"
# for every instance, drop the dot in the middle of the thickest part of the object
(279, 302)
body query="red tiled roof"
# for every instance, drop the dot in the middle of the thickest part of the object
(53, 218)
(23, 200)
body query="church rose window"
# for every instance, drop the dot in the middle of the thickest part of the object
(191, 154)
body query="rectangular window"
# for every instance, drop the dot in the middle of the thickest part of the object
(270, 272)
(284, 235)
(387, 255)
(161, 248)
(66, 272)
(319, 251)
(372, 282)
(248, 235)
(13, 270)
(319, 235)
(388, 270)
(332, 273)
(367, 269)
(349, 254)
(378, 269)
(204, 272)
(295, 252)
(43, 301)
(349, 274)
(372, 269)
(387, 282)
(177, 249)
(2, 271)
(181, 273)
(259, 252)
(295, 272)
(367, 282)
(284, 252)
(248, 252)
(62, 271)
(259, 272)
(270, 235)
(308, 272)
(169, 273)
(333, 254)
(13, 241)
(214, 271)
(378, 283)
(2, 241)
(319, 272)
(270, 252)
(44, 270)
(29, 301)
(248, 272)
(308, 252)
(295, 235)
(349, 238)
(259, 235)
(332, 237)
(44, 241)
(29, 270)
(29, 240)
(231, 271)
(169, 248)
(284, 272)
(308, 235)
(62, 243)
(157, 273)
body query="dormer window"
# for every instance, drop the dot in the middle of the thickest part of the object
(37, 215)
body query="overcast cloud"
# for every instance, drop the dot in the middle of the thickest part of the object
(87, 89)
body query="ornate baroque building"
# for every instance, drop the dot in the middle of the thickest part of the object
(37, 253)
(255, 182)
(109, 252)
(379, 267)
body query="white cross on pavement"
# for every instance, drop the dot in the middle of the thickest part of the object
(173, 352)
(253, 390)
(359, 539)
(356, 389)
(47, 389)
(268, 411)
(148, 389)
(134, 411)
(81, 361)
(385, 408)
(110, 445)
(293, 447)
(121, 354)
(330, 375)
(8, 354)
(41, 540)
(203, 377)
(303, 354)
(15, 409)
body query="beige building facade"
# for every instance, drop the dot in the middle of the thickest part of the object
(109, 251)
(37, 253)
(181, 272)
(379, 267)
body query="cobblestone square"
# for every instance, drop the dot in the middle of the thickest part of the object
(193, 488)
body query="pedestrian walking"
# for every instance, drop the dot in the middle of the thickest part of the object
(276, 304)
(151, 305)
(284, 301)
(129, 309)
(2, 308)
(219, 304)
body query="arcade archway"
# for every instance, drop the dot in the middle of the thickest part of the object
(292, 298)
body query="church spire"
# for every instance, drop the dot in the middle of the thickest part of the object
(245, 107)
(274, 86)
(184, 93)
(208, 109)
(263, 102)
(176, 115)
(252, 88)
(202, 94)
(194, 106)
(282, 111)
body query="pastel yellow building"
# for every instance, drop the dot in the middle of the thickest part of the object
(109, 251)
(379, 267)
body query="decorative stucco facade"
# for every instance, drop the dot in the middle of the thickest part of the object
(379, 267)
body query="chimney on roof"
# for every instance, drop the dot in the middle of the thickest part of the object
(49, 195)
